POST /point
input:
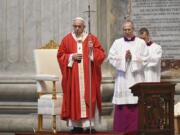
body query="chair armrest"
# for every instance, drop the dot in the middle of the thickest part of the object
(177, 109)
(41, 84)
(46, 77)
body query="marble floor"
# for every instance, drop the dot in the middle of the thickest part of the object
(3, 133)
(10, 133)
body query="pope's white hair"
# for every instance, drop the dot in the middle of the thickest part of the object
(79, 18)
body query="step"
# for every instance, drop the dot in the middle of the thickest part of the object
(18, 90)
(28, 123)
(31, 107)
(18, 107)
(24, 89)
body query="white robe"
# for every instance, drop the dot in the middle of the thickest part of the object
(128, 73)
(153, 68)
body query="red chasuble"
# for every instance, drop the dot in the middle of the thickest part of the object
(70, 80)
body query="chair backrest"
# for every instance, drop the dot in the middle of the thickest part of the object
(46, 63)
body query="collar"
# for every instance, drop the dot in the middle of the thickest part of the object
(129, 39)
(149, 43)
(81, 38)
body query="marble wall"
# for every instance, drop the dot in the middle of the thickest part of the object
(29, 24)
(110, 15)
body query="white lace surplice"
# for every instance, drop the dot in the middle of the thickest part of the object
(128, 73)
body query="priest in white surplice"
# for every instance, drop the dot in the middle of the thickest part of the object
(153, 67)
(127, 55)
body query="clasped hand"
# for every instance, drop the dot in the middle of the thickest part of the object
(128, 55)
(77, 56)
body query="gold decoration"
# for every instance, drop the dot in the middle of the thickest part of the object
(51, 45)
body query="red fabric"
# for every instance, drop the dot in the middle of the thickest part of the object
(70, 80)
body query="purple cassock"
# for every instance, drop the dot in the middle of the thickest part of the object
(125, 118)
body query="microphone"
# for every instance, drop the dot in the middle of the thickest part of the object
(79, 61)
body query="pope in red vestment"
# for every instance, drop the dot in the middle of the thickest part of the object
(74, 74)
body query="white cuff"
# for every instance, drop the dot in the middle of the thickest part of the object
(92, 57)
(70, 61)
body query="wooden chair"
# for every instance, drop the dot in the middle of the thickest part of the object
(177, 118)
(48, 78)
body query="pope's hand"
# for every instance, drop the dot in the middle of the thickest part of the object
(77, 56)
(90, 44)
(128, 55)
